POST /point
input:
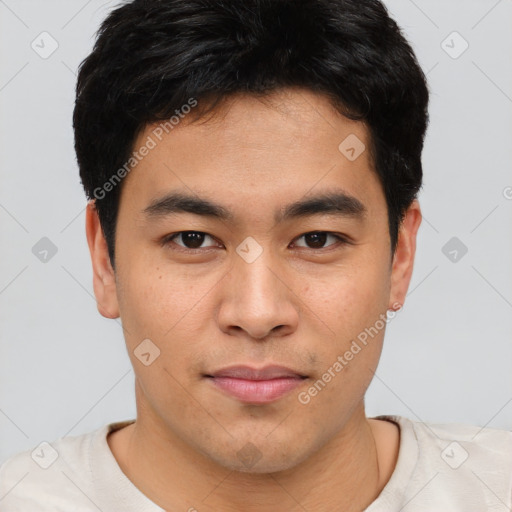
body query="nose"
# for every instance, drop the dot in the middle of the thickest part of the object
(258, 299)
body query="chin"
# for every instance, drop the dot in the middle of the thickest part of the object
(262, 467)
(252, 460)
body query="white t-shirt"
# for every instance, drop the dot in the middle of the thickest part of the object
(440, 468)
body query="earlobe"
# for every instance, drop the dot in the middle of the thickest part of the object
(104, 281)
(403, 259)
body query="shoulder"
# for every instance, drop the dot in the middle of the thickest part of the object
(56, 475)
(473, 434)
(459, 466)
(456, 444)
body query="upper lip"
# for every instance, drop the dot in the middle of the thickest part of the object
(250, 373)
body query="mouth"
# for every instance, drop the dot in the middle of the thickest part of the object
(256, 386)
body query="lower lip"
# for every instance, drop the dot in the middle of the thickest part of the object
(257, 391)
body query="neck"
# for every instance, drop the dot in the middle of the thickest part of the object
(347, 473)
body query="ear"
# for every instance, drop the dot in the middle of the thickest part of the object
(403, 259)
(103, 274)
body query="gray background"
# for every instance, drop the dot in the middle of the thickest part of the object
(64, 369)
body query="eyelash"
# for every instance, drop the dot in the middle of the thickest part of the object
(169, 239)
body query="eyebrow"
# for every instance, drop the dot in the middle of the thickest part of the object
(329, 203)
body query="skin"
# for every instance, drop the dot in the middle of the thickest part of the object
(297, 305)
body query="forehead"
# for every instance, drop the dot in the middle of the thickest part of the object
(253, 149)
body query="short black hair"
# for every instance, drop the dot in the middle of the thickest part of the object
(152, 57)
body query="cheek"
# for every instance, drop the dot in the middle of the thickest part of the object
(351, 303)
(173, 311)
(166, 309)
(156, 300)
(350, 299)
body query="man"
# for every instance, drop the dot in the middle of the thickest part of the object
(253, 170)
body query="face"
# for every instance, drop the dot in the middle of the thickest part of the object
(287, 264)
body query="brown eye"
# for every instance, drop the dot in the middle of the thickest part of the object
(317, 239)
(189, 239)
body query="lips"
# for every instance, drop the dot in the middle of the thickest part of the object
(249, 373)
(256, 386)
